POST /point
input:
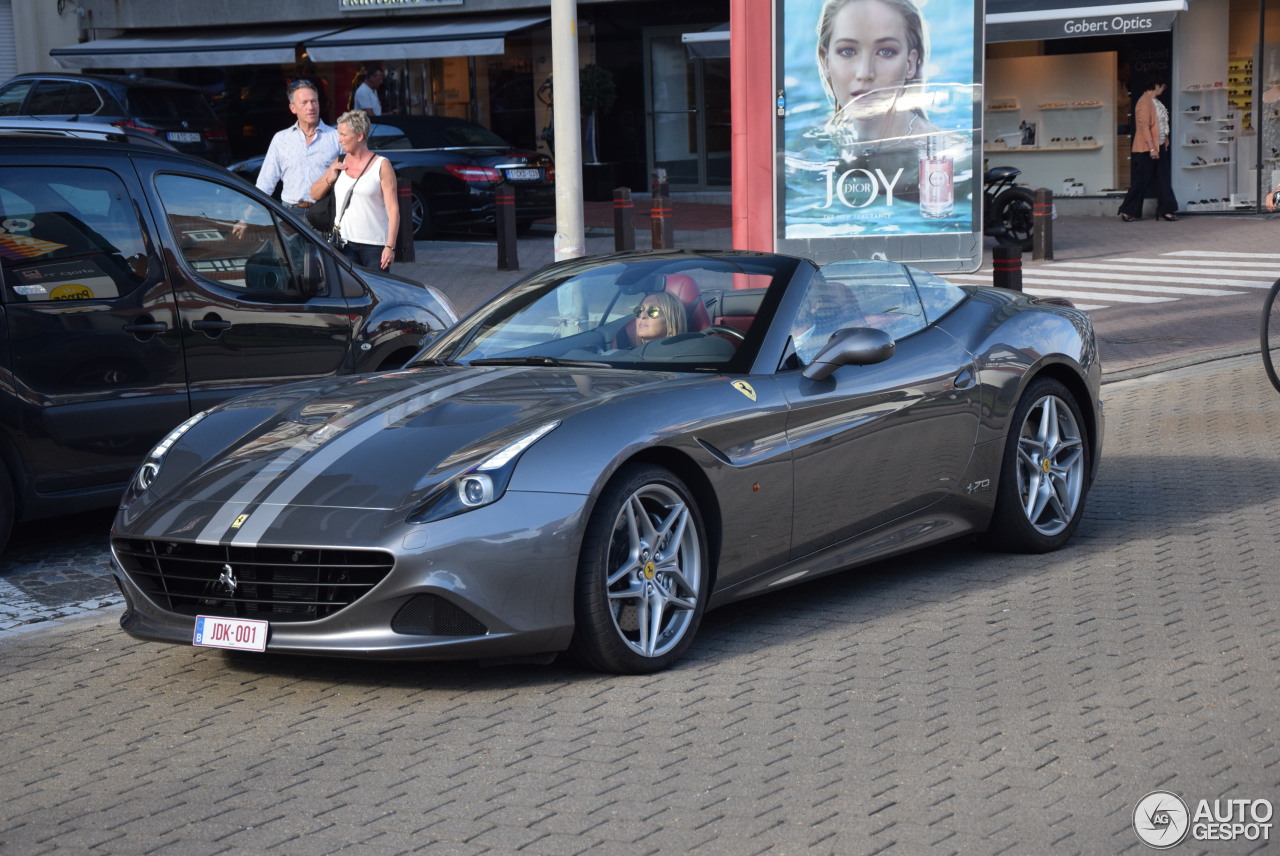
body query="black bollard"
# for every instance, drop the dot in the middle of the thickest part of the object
(660, 212)
(1006, 268)
(404, 239)
(505, 197)
(624, 220)
(1042, 230)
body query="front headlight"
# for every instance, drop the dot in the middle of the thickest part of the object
(150, 469)
(480, 485)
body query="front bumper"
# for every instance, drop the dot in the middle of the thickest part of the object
(510, 567)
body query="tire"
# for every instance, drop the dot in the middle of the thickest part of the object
(644, 547)
(1014, 212)
(1044, 476)
(7, 508)
(420, 217)
(1270, 334)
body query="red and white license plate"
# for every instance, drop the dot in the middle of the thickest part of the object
(238, 634)
(524, 174)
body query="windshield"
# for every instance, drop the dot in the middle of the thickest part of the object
(683, 312)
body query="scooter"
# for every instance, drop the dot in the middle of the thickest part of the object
(1007, 208)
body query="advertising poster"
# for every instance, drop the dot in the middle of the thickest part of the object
(879, 106)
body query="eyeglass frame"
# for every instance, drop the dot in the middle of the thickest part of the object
(647, 311)
(300, 83)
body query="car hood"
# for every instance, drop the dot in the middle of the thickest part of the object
(379, 441)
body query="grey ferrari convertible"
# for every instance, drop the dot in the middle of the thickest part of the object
(607, 449)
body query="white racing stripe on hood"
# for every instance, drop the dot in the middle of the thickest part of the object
(308, 461)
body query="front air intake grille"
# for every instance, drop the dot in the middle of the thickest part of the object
(273, 583)
(432, 615)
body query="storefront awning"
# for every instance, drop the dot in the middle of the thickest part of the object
(419, 39)
(1026, 20)
(175, 48)
(707, 44)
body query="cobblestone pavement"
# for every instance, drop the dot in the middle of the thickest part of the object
(57, 568)
(954, 701)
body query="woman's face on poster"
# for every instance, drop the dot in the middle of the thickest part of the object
(868, 52)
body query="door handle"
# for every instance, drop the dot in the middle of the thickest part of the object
(964, 380)
(211, 326)
(146, 327)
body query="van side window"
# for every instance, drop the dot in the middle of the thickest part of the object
(261, 264)
(68, 233)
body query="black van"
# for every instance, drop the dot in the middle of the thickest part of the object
(130, 301)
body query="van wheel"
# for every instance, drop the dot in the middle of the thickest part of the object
(6, 507)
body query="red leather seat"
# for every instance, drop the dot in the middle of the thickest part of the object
(685, 287)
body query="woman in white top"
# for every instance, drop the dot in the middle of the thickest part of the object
(367, 210)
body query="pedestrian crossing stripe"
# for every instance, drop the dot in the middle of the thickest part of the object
(1170, 276)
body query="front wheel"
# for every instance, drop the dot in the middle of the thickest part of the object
(642, 576)
(1045, 473)
(1014, 212)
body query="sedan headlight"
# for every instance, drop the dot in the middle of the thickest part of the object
(481, 485)
(150, 469)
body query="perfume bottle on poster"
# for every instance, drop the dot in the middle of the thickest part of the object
(937, 182)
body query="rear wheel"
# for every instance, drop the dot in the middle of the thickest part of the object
(1045, 473)
(420, 217)
(642, 575)
(1014, 212)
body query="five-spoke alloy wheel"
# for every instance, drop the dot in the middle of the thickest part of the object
(1045, 474)
(642, 577)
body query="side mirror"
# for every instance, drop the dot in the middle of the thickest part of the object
(856, 346)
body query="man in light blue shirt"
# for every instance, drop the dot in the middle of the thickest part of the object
(301, 153)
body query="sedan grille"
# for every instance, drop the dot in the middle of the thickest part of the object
(273, 583)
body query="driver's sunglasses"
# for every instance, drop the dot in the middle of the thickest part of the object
(651, 311)
(300, 84)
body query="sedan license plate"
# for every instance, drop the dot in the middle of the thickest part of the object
(524, 174)
(183, 136)
(238, 634)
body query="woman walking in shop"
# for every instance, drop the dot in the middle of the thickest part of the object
(1149, 158)
(367, 210)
